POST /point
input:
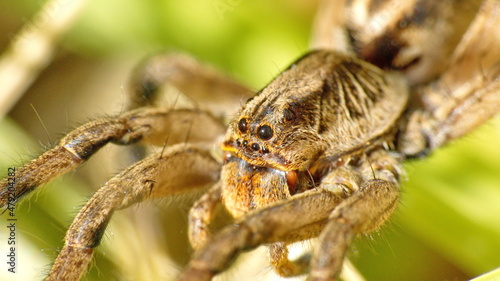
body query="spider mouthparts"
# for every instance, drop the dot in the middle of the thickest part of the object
(292, 180)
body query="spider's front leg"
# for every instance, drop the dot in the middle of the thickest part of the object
(178, 169)
(348, 201)
(365, 211)
(151, 126)
(201, 215)
(373, 196)
(145, 124)
(268, 225)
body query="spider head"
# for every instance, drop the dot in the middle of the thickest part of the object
(279, 126)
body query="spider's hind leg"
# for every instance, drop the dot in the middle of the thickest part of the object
(466, 95)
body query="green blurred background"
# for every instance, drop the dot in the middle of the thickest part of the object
(446, 228)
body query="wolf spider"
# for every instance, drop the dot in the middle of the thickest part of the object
(316, 153)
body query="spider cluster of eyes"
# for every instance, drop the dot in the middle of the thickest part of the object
(264, 132)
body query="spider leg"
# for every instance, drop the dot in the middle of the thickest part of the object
(473, 78)
(340, 190)
(178, 169)
(220, 95)
(365, 211)
(143, 124)
(342, 182)
(276, 223)
(468, 92)
(201, 215)
(278, 256)
(147, 125)
(346, 182)
(329, 31)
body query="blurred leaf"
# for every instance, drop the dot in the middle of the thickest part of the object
(451, 200)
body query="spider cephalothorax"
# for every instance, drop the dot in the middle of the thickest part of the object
(314, 109)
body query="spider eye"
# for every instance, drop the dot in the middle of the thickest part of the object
(255, 146)
(265, 132)
(289, 115)
(243, 125)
